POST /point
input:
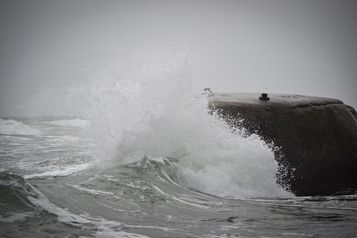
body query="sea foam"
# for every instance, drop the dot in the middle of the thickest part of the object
(12, 127)
(81, 123)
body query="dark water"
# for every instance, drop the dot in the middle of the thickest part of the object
(51, 186)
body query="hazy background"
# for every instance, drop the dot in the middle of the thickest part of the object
(297, 46)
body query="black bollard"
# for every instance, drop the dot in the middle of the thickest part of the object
(264, 97)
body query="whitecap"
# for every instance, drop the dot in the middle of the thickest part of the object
(70, 122)
(60, 172)
(12, 127)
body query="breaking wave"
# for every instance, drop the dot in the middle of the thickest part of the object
(70, 122)
(21, 202)
(164, 114)
(12, 127)
(154, 107)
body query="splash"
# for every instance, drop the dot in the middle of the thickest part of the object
(158, 110)
(153, 106)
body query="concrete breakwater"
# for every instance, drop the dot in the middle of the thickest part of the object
(316, 137)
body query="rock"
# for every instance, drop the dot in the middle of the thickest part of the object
(317, 138)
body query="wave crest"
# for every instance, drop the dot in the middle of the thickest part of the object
(12, 127)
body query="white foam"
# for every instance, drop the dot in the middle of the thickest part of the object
(91, 191)
(118, 234)
(294, 234)
(60, 172)
(15, 217)
(105, 228)
(160, 112)
(12, 127)
(70, 122)
(160, 160)
(152, 106)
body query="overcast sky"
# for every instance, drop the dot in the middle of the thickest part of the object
(283, 46)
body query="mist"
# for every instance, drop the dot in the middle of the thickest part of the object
(276, 46)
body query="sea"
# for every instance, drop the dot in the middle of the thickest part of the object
(52, 185)
(146, 158)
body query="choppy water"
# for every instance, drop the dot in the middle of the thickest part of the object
(52, 184)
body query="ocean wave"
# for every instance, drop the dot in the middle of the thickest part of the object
(222, 178)
(99, 226)
(164, 168)
(60, 172)
(90, 191)
(12, 127)
(15, 193)
(20, 201)
(166, 116)
(70, 122)
(15, 217)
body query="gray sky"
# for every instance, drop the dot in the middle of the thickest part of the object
(283, 46)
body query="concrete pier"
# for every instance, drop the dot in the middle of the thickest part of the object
(316, 137)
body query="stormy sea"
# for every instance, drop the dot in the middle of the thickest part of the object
(149, 160)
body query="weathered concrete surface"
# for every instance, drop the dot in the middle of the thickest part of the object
(317, 137)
